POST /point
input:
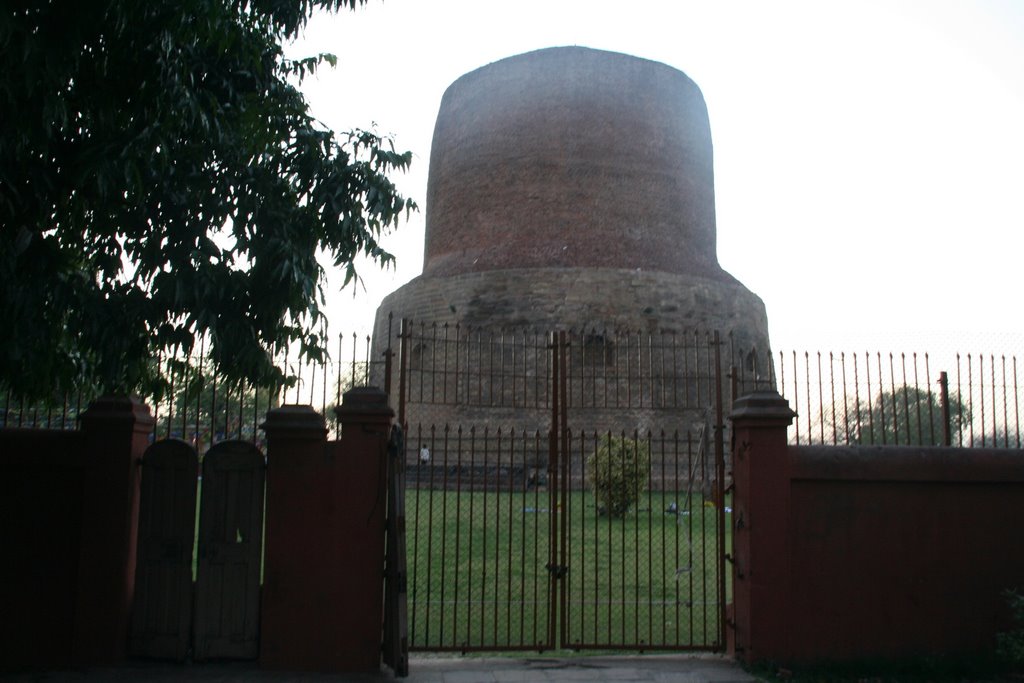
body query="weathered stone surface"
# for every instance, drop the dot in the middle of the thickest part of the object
(582, 298)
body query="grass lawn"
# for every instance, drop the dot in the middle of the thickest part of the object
(479, 577)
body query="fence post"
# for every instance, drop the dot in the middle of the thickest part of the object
(116, 432)
(947, 436)
(300, 559)
(761, 589)
(322, 604)
(366, 421)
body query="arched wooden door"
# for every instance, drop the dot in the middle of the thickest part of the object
(230, 552)
(162, 612)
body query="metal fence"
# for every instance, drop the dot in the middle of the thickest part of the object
(452, 364)
(510, 546)
(199, 406)
(503, 555)
(654, 578)
(58, 413)
(840, 397)
(963, 400)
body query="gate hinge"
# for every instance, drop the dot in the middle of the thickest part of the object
(559, 571)
(399, 580)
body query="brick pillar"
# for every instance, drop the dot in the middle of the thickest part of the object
(116, 432)
(365, 429)
(324, 562)
(299, 562)
(761, 585)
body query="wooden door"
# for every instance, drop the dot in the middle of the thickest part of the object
(230, 552)
(162, 611)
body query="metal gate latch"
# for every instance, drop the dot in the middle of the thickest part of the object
(559, 571)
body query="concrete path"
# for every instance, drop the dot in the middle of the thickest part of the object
(648, 668)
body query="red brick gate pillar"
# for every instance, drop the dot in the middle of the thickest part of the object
(324, 562)
(116, 433)
(365, 429)
(300, 572)
(761, 585)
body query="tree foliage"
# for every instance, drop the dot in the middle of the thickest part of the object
(201, 407)
(905, 416)
(617, 472)
(161, 177)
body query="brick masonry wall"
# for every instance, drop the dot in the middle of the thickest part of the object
(868, 554)
(570, 157)
(41, 473)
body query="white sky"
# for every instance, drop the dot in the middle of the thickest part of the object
(869, 154)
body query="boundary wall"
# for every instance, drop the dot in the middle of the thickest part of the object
(41, 475)
(68, 521)
(69, 517)
(867, 554)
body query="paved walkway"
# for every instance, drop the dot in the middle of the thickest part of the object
(648, 668)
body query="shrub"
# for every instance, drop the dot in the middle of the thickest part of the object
(617, 472)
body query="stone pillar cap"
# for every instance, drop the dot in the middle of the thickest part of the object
(294, 417)
(111, 409)
(762, 404)
(364, 400)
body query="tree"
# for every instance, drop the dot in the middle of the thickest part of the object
(617, 472)
(203, 408)
(161, 177)
(905, 416)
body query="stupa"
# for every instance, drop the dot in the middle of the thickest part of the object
(574, 188)
(571, 189)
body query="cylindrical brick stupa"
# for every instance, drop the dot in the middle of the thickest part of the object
(574, 188)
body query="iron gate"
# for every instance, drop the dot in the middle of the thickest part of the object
(508, 546)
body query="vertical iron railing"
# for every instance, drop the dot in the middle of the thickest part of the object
(971, 400)
(650, 579)
(198, 405)
(559, 457)
(498, 503)
(479, 499)
(840, 397)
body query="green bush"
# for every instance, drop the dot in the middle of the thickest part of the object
(617, 472)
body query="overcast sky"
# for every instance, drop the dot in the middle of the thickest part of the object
(869, 155)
